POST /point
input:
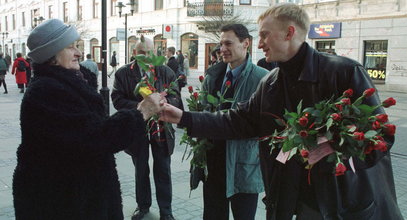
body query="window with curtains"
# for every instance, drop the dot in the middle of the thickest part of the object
(65, 11)
(158, 5)
(113, 8)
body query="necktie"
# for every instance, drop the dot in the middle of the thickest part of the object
(230, 91)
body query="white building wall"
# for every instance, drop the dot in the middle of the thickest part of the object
(361, 20)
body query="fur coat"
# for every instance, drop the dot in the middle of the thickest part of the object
(65, 164)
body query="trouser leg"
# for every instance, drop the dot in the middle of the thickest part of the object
(142, 176)
(216, 205)
(162, 177)
(244, 206)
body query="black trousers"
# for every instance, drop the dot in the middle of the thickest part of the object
(216, 205)
(162, 177)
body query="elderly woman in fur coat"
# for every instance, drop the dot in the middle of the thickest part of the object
(66, 167)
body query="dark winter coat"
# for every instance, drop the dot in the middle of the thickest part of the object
(368, 194)
(173, 64)
(65, 164)
(123, 97)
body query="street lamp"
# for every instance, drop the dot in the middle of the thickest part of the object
(38, 20)
(120, 5)
(5, 34)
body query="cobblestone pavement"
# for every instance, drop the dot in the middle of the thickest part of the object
(186, 205)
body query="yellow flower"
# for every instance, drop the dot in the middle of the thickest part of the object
(145, 91)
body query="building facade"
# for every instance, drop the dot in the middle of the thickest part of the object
(369, 31)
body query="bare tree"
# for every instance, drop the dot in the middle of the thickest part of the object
(212, 25)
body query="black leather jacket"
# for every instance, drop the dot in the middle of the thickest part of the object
(368, 194)
(123, 97)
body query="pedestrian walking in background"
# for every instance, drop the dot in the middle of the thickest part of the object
(19, 69)
(8, 60)
(90, 65)
(113, 63)
(304, 75)
(65, 163)
(3, 72)
(186, 65)
(28, 70)
(162, 143)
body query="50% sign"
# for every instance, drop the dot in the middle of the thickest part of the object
(377, 74)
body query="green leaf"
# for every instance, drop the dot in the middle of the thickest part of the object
(328, 135)
(370, 134)
(356, 110)
(299, 107)
(158, 61)
(211, 99)
(329, 123)
(316, 113)
(341, 142)
(367, 110)
(288, 145)
(280, 122)
(292, 153)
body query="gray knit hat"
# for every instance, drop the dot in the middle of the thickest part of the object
(48, 38)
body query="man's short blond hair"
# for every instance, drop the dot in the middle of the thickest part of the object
(288, 12)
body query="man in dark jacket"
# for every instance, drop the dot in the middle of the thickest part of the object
(162, 142)
(307, 75)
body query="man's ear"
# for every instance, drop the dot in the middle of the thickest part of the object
(246, 43)
(290, 32)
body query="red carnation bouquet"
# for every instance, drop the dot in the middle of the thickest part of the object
(146, 87)
(336, 128)
(199, 101)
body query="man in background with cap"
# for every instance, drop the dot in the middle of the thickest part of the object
(162, 142)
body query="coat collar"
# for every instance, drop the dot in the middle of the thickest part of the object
(310, 71)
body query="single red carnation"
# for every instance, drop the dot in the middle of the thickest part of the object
(303, 133)
(336, 117)
(340, 169)
(304, 153)
(190, 89)
(369, 149)
(201, 78)
(376, 125)
(369, 92)
(389, 102)
(381, 146)
(389, 129)
(383, 118)
(348, 93)
(303, 121)
(339, 107)
(195, 95)
(345, 101)
(228, 83)
(360, 136)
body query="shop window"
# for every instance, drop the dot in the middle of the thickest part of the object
(95, 48)
(160, 45)
(325, 46)
(189, 45)
(375, 59)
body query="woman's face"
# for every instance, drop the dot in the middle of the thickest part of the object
(68, 58)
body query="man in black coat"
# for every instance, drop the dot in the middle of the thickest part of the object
(307, 75)
(162, 143)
